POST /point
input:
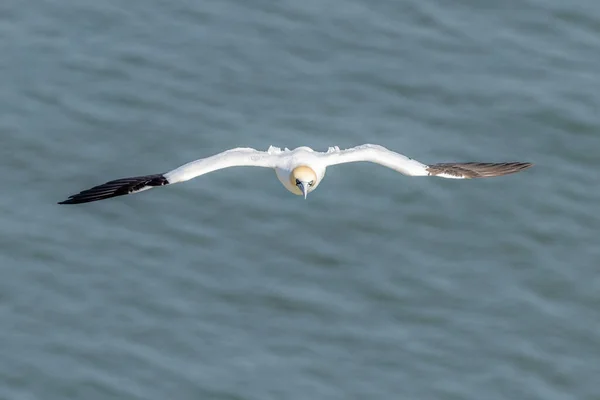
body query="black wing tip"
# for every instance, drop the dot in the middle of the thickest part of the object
(118, 187)
(74, 200)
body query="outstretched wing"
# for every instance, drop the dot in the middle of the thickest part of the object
(229, 158)
(407, 166)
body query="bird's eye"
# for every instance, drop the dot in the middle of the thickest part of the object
(311, 183)
(297, 181)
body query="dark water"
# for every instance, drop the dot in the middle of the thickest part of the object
(379, 286)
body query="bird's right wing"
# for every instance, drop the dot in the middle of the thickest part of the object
(407, 166)
(240, 157)
(231, 158)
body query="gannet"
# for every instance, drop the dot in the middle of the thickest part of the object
(300, 170)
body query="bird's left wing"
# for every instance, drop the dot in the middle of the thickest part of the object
(231, 158)
(407, 166)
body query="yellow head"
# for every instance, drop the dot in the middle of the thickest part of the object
(304, 178)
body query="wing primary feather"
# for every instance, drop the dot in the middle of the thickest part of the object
(118, 187)
(476, 169)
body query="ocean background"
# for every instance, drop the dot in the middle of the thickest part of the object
(378, 286)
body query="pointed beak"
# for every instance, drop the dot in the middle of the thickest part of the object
(304, 187)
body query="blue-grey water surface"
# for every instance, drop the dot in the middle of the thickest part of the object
(378, 286)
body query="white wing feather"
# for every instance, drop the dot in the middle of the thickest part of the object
(239, 157)
(379, 155)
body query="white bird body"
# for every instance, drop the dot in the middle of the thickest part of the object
(299, 170)
(291, 159)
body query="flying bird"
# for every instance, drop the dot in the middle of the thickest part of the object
(300, 170)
